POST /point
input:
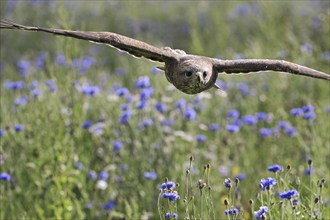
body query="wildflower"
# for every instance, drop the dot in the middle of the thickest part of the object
(290, 131)
(150, 175)
(168, 185)
(103, 175)
(92, 174)
(79, 165)
(174, 215)
(19, 128)
(190, 114)
(161, 107)
(9, 85)
(23, 67)
(60, 59)
(297, 112)
(141, 104)
(40, 60)
(267, 183)
(172, 196)
(283, 125)
(241, 176)
(308, 108)
(180, 104)
(233, 114)
(116, 146)
(168, 215)
(227, 183)
(142, 82)
(167, 122)
(125, 117)
(233, 211)
(288, 194)
(262, 116)
(232, 128)
(5, 177)
(2, 133)
(214, 127)
(243, 88)
(155, 70)
(89, 90)
(20, 101)
(51, 85)
(87, 62)
(146, 93)
(265, 132)
(306, 48)
(275, 168)
(309, 171)
(109, 205)
(35, 93)
(309, 115)
(250, 119)
(260, 214)
(200, 138)
(86, 124)
(146, 123)
(122, 91)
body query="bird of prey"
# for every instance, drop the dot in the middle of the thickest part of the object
(191, 74)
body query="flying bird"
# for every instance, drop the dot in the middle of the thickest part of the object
(189, 73)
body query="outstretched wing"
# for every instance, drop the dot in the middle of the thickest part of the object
(256, 65)
(132, 46)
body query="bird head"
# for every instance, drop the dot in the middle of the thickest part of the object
(192, 75)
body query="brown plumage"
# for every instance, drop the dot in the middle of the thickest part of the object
(189, 73)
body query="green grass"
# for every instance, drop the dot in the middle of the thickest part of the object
(41, 159)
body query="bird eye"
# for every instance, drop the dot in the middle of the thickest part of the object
(188, 74)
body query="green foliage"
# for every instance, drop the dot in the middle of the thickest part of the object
(43, 159)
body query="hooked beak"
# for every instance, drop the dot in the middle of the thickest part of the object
(201, 77)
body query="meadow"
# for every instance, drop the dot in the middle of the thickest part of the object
(88, 132)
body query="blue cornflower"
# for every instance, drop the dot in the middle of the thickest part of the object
(5, 177)
(9, 85)
(308, 108)
(290, 131)
(262, 116)
(233, 114)
(51, 85)
(40, 60)
(309, 171)
(142, 82)
(109, 205)
(327, 109)
(155, 70)
(172, 196)
(168, 215)
(120, 71)
(275, 168)
(297, 112)
(265, 132)
(146, 123)
(79, 165)
(180, 104)
(306, 48)
(146, 93)
(141, 105)
(190, 114)
(283, 124)
(2, 133)
(60, 59)
(19, 128)
(200, 138)
(168, 185)
(122, 91)
(125, 107)
(214, 127)
(250, 119)
(86, 63)
(167, 122)
(238, 122)
(174, 215)
(116, 146)
(260, 214)
(161, 107)
(125, 117)
(90, 90)
(267, 183)
(288, 194)
(103, 175)
(150, 175)
(23, 67)
(227, 183)
(35, 93)
(86, 124)
(243, 88)
(20, 101)
(241, 176)
(92, 174)
(232, 128)
(309, 115)
(233, 211)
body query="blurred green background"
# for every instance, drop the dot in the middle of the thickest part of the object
(51, 162)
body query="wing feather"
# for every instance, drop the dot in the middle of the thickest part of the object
(132, 46)
(256, 65)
